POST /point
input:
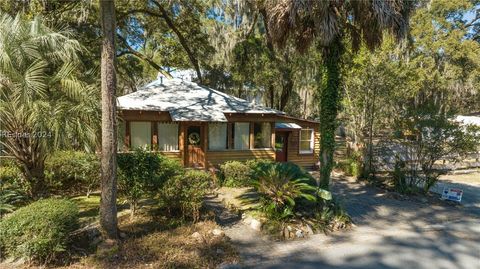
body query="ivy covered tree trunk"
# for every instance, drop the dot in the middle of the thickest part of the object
(329, 102)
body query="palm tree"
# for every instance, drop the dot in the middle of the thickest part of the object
(328, 23)
(44, 102)
(108, 203)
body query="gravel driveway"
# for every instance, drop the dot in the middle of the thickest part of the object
(390, 232)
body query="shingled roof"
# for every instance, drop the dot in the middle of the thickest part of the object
(188, 101)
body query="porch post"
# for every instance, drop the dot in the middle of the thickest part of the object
(272, 144)
(252, 137)
(127, 135)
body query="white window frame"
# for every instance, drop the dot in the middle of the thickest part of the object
(312, 141)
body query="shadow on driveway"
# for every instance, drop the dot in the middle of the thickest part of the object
(389, 234)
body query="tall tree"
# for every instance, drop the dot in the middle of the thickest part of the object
(328, 23)
(108, 202)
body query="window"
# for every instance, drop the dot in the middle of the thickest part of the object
(241, 135)
(121, 135)
(262, 134)
(141, 132)
(168, 136)
(306, 141)
(217, 136)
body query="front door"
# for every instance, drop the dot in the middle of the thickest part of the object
(281, 146)
(194, 141)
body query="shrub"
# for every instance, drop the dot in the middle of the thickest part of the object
(280, 186)
(399, 176)
(256, 164)
(236, 174)
(142, 173)
(10, 172)
(168, 169)
(184, 194)
(331, 216)
(430, 133)
(73, 171)
(39, 231)
(353, 165)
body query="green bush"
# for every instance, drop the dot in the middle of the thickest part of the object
(10, 172)
(142, 173)
(352, 165)
(235, 174)
(280, 186)
(168, 169)
(256, 164)
(40, 231)
(287, 196)
(331, 216)
(185, 193)
(73, 171)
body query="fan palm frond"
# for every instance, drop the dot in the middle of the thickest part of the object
(43, 90)
(323, 20)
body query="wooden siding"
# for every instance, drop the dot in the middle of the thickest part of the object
(306, 160)
(137, 115)
(215, 158)
(172, 154)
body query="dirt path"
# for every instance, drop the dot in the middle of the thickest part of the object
(389, 233)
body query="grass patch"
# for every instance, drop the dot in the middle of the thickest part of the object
(88, 207)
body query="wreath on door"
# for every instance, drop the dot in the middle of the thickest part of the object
(194, 138)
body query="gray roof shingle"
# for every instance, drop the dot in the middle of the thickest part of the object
(188, 101)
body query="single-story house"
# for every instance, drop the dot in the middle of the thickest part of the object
(204, 128)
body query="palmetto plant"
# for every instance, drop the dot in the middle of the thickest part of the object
(45, 102)
(327, 23)
(279, 185)
(9, 199)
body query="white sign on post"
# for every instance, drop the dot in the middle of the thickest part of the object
(452, 194)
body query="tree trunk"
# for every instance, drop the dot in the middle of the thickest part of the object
(35, 176)
(108, 205)
(287, 89)
(271, 93)
(329, 109)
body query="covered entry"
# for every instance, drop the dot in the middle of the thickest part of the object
(283, 131)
